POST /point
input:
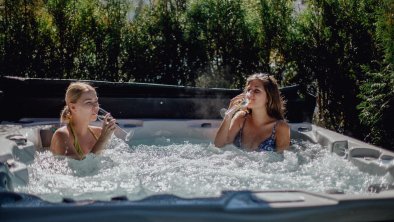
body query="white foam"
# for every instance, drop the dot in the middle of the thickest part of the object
(190, 169)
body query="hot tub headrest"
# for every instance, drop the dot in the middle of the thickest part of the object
(44, 98)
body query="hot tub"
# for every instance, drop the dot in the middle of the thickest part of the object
(170, 171)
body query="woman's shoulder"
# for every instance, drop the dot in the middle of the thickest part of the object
(61, 132)
(60, 135)
(282, 123)
(282, 126)
(60, 140)
(282, 135)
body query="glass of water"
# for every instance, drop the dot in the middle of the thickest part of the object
(119, 132)
(242, 104)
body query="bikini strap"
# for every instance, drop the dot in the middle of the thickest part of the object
(243, 124)
(94, 135)
(76, 143)
(241, 131)
(274, 129)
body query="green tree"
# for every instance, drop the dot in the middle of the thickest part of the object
(377, 91)
(377, 107)
(333, 43)
(3, 35)
(276, 19)
(155, 47)
(228, 44)
(18, 47)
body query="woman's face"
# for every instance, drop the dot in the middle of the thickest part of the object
(87, 105)
(256, 94)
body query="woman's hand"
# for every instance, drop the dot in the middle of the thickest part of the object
(108, 127)
(230, 125)
(235, 104)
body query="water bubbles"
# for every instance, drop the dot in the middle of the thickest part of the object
(191, 168)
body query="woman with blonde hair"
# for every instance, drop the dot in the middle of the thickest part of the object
(77, 138)
(260, 124)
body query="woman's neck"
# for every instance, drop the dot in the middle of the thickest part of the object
(80, 126)
(261, 117)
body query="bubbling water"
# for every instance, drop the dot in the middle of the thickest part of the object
(190, 169)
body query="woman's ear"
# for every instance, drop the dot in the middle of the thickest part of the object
(72, 107)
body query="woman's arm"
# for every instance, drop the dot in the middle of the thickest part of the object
(230, 125)
(228, 129)
(282, 136)
(221, 138)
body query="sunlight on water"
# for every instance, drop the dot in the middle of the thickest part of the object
(191, 169)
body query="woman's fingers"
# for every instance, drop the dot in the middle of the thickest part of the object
(106, 120)
(108, 128)
(111, 125)
(237, 100)
(239, 97)
(108, 115)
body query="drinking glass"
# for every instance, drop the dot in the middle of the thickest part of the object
(242, 104)
(119, 132)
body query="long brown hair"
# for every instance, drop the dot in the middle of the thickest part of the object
(275, 103)
(73, 93)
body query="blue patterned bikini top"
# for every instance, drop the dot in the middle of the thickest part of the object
(268, 144)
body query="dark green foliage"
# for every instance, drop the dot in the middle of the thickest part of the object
(155, 47)
(276, 20)
(377, 106)
(20, 38)
(227, 45)
(340, 50)
(377, 91)
(385, 30)
(332, 43)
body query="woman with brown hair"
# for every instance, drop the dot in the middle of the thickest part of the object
(260, 124)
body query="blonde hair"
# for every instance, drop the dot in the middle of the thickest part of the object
(73, 93)
(275, 103)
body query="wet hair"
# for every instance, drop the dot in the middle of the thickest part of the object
(73, 93)
(275, 103)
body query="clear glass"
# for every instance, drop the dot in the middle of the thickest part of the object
(119, 132)
(242, 104)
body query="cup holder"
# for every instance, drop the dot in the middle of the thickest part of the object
(387, 158)
(304, 129)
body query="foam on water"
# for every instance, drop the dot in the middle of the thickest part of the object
(191, 169)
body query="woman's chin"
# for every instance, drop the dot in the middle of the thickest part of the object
(93, 118)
